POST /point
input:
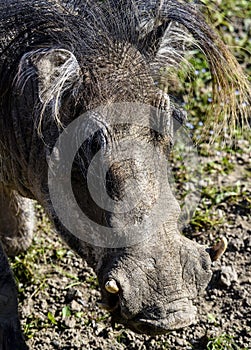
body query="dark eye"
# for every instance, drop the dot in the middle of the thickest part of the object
(95, 135)
(96, 142)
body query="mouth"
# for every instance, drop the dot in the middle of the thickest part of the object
(173, 321)
(179, 314)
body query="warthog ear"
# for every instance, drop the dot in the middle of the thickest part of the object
(57, 71)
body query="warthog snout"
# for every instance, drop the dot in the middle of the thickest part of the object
(151, 289)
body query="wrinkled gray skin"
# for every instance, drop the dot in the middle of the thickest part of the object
(107, 62)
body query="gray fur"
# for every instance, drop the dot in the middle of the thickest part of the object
(16, 222)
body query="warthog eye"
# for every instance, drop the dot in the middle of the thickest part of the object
(96, 142)
(164, 123)
(97, 139)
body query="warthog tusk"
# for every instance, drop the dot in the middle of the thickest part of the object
(218, 249)
(111, 286)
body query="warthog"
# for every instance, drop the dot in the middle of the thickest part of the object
(100, 65)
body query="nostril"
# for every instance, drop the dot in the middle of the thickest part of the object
(143, 328)
(111, 286)
(107, 307)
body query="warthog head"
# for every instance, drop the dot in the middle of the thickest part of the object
(148, 272)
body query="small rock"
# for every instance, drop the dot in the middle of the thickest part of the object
(247, 301)
(99, 328)
(70, 322)
(228, 275)
(180, 342)
(75, 306)
(55, 343)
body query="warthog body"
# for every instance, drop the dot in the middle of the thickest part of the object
(58, 61)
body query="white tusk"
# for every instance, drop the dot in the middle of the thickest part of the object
(218, 249)
(111, 286)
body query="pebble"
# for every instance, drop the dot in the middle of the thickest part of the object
(75, 306)
(228, 275)
(70, 322)
(180, 342)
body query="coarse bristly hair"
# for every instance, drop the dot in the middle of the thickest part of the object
(162, 31)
